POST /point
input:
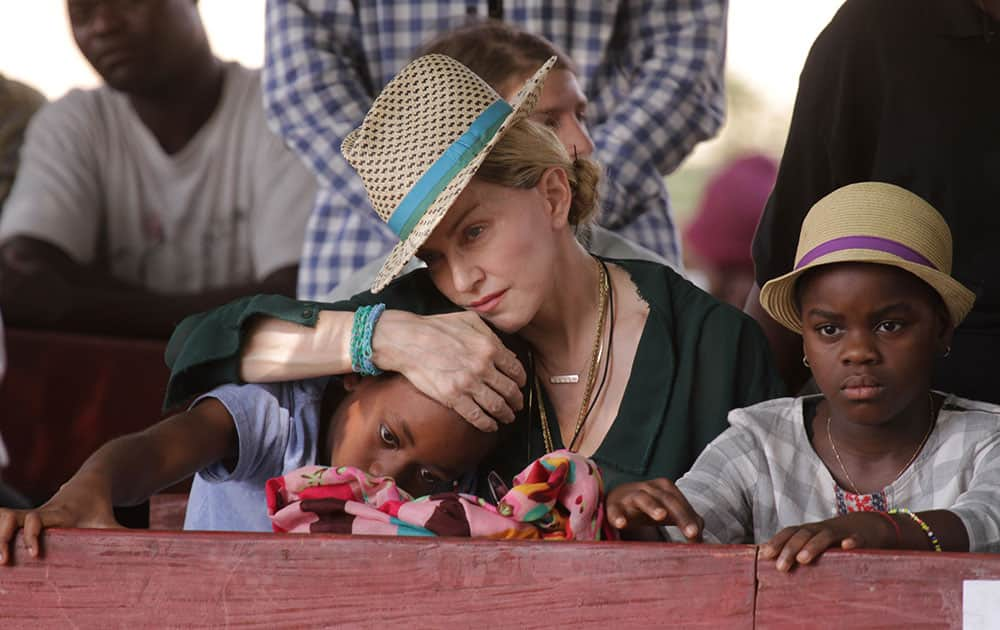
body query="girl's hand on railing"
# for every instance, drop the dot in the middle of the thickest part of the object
(653, 502)
(801, 544)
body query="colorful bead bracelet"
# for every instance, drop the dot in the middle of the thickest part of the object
(919, 521)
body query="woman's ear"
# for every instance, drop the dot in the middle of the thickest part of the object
(555, 189)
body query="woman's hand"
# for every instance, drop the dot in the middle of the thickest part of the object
(653, 502)
(804, 543)
(455, 359)
(75, 505)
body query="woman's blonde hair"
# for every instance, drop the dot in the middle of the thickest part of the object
(526, 151)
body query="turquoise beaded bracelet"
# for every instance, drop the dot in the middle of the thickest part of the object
(923, 526)
(357, 333)
(362, 330)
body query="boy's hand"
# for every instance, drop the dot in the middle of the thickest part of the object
(70, 507)
(653, 502)
(804, 543)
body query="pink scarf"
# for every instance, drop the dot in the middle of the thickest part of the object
(559, 496)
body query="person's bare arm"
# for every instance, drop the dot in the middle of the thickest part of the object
(276, 350)
(786, 346)
(42, 287)
(128, 470)
(455, 358)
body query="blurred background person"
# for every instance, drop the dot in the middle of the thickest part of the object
(18, 103)
(160, 194)
(717, 240)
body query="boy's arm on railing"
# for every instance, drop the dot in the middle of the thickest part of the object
(127, 470)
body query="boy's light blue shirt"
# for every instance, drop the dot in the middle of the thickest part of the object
(278, 425)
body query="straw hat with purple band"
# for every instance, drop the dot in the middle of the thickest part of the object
(871, 222)
(421, 142)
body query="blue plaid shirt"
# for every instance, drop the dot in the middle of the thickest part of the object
(652, 70)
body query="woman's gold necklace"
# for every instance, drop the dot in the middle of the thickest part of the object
(604, 287)
(854, 487)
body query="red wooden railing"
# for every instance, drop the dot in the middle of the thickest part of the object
(868, 589)
(138, 579)
(103, 578)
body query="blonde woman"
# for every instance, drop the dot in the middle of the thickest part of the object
(505, 56)
(621, 360)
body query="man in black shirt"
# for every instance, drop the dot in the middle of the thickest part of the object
(906, 92)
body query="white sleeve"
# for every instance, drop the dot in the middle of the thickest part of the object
(262, 428)
(720, 486)
(979, 506)
(57, 194)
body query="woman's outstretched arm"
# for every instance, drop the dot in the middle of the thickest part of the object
(454, 357)
(280, 350)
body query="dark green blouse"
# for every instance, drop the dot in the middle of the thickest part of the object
(697, 359)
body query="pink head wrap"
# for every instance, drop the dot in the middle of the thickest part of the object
(722, 231)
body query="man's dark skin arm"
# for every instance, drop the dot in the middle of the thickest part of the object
(786, 346)
(42, 287)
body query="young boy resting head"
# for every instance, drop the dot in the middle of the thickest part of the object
(237, 437)
(379, 424)
(877, 460)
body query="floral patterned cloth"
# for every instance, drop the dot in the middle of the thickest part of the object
(848, 502)
(558, 497)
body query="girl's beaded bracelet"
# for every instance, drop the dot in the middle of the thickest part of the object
(923, 526)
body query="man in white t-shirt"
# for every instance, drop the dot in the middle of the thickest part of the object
(160, 194)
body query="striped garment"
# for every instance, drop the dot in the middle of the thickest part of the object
(762, 475)
(652, 69)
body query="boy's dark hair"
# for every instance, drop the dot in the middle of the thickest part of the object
(498, 52)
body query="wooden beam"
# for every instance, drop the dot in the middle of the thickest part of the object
(862, 589)
(101, 578)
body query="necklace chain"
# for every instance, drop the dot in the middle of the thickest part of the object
(836, 453)
(604, 288)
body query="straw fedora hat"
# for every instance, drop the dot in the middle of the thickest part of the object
(871, 222)
(422, 141)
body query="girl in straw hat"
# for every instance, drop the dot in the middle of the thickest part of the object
(878, 459)
(621, 360)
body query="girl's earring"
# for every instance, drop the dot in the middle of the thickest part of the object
(805, 361)
(947, 352)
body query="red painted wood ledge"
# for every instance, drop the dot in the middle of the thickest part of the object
(108, 578)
